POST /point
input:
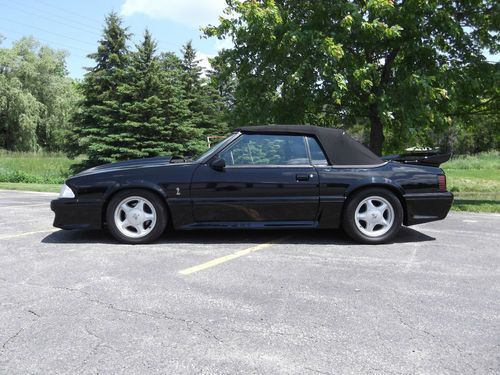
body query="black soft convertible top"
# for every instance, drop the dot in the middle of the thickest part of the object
(338, 146)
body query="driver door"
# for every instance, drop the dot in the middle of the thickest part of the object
(268, 178)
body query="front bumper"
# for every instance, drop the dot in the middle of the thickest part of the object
(422, 208)
(72, 214)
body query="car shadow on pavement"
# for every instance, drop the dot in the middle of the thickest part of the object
(296, 236)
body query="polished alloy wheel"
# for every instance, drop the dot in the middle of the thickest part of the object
(374, 216)
(135, 217)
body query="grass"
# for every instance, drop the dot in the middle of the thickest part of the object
(50, 188)
(475, 179)
(34, 168)
(482, 161)
(475, 204)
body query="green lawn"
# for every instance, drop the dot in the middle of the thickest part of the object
(34, 168)
(51, 188)
(475, 180)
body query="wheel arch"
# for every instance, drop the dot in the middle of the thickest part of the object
(393, 188)
(135, 186)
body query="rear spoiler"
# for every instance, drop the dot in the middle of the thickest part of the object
(429, 158)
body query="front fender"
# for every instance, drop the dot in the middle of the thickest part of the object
(135, 184)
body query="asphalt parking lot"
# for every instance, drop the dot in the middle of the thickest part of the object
(293, 302)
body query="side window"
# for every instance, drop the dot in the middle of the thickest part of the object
(269, 149)
(317, 154)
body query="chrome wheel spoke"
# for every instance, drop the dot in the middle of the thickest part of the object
(370, 205)
(370, 225)
(140, 229)
(361, 216)
(124, 224)
(148, 217)
(125, 208)
(382, 208)
(140, 205)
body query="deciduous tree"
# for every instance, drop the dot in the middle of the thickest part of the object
(394, 65)
(37, 99)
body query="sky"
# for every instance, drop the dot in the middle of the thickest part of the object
(76, 25)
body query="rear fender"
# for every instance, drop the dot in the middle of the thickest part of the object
(374, 182)
(331, 214)
(379, 182)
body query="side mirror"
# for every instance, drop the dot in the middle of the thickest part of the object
(217, 164)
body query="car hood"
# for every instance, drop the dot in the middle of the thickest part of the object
(131, 164)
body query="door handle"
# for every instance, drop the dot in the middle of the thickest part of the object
(303, 176)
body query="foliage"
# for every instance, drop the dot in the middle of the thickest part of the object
(100, 129)
(397, 73)
(473, 134)
(406, 69)
(476, 205)
(481, 161)
(475, 181)
(29, 167)
(37, 99)
(155, 111)
(204, 101)
(141, 103)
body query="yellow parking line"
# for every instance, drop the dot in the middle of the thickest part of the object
(26, 205)
(227, 258)
(27, 233)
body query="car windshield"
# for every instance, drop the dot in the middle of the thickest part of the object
(214, 149)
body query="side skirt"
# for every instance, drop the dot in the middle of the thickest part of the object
(250, 225)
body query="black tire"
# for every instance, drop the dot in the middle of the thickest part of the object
(350, 224)
(154, 229)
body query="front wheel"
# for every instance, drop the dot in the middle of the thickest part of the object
(136, 216)
(373, 216)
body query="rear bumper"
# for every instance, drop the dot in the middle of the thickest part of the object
(422, 208)
(71, 214)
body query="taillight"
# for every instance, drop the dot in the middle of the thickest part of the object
(442, 182)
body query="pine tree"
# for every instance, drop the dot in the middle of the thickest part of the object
(185, 138)
(100, 132)
(143, 108)
(204, 101)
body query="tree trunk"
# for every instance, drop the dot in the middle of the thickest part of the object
(376, 129)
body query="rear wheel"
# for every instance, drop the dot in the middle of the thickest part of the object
(373, 216)
(136, 216)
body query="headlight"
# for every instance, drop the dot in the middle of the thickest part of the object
(66, 192)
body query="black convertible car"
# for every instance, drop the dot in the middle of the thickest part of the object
(273, 176)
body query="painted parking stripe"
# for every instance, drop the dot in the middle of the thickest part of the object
(227, 258)
(27, 233)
